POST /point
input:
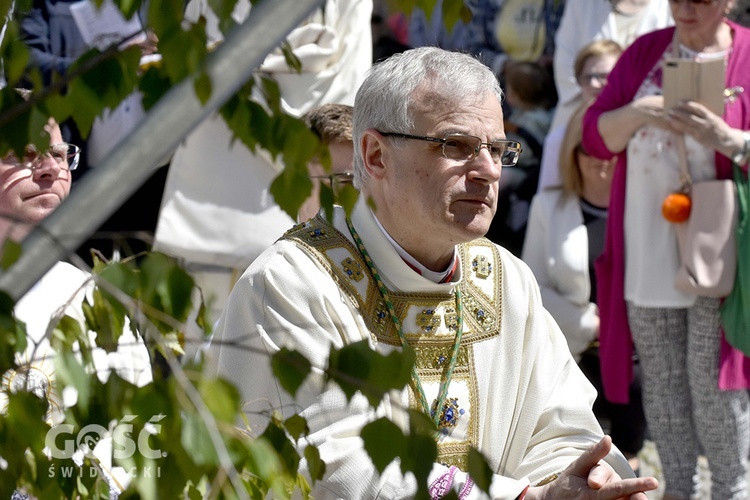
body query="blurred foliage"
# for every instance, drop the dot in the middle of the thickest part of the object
(189, 420)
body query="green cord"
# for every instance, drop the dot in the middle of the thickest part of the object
(448, 374)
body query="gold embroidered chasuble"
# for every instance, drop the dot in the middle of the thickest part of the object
(429, 322)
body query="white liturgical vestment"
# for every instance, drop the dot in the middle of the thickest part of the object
(516, 393)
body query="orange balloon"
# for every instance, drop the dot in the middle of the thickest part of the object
(676, 207)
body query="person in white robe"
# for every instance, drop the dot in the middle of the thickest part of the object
(31, 187)
(217, 213)
(429, 150)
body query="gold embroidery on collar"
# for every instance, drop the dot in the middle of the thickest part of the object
(430, 334)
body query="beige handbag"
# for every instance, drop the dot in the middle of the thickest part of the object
(707, 242)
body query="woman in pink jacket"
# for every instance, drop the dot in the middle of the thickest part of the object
(692, 379)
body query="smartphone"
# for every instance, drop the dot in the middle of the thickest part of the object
(700, 81)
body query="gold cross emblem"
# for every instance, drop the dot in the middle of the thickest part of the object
(481, 266)
(427, 320)
(451, 319)
(352, 269)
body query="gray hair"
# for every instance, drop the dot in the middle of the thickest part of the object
(384, 101)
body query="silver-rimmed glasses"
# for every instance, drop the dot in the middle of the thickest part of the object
(60, 152)
(337, 180)
(463, 147)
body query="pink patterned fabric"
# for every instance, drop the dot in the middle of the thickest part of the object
(442, 485)
(464, 493)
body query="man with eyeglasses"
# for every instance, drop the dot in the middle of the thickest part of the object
(33, 184)
(409, 266)
(332, 124)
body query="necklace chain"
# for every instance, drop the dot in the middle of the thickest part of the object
(448, 373)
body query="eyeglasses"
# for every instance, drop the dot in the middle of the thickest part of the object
(587, 78)
(462, 147)
(32, 158)
(694, 2)
(337, 180)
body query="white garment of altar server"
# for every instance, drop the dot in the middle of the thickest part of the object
(556, 249)
(218, 213)
(62, 291)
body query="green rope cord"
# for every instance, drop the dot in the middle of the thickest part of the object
(448, 374)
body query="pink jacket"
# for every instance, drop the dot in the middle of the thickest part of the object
(616, 344)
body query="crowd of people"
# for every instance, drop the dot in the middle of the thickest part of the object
(511, 171)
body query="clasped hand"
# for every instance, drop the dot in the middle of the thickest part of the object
(590, 477)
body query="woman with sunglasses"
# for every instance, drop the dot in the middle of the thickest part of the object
(693, 382)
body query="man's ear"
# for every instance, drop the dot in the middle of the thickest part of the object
(372, 152)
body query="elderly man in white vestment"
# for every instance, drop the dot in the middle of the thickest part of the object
(429, 151)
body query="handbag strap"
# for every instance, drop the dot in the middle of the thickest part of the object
(685, 179)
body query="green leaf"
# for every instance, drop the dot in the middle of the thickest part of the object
(347, 198)
(196, 441)
(66, 333)
(221, 398)
(375, 435)
(223, 10)
(479, 470)
(272, 94)
(193, 493)
(315, 465)
(167, 288)
(290, 189)
(110, 320)
(357, 367)
(203, 87)
(266, 464)
(183, 52)
(128, 7)
(153, 400)
(165, 17)
(59, 107)
(280, 442)
(17, 133)
(11, 252)
(104, 85)
(420, 456)
(291, 58)
(121, 276)
(290, 368)
(154, 85)
(296, 426)
(25, 415)
(12, 334)
(15, 60)
(69, 372)
(202, 319)
(327, 200)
